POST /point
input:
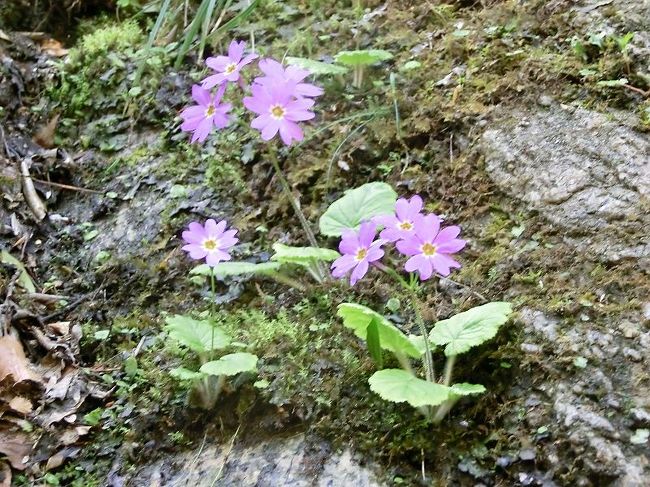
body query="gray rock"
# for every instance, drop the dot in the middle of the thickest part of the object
(281, 461)
(586, 173)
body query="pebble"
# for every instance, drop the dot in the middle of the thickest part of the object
(632, 354)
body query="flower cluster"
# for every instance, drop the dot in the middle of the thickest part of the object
(210, 242)
(280, 98)
(416, 235)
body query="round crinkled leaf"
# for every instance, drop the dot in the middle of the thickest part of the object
(197, 335)
(470, 328)
(181, 373)
(302, 255)
(358, 58)
(357, 205)
(231, 364)
(225, 269)
(316, 67)
(391, 338)
(398, 385)
(465, 389)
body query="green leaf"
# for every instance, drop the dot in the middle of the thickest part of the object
(374, 343)
(231, 364)
(197, 335)
(359, 58)
(470, 328)
(316, 67)
(224, 269)
(612, 83)
(23, 279)
(357, 205)
(183, 374)
(418, 342)
(93, 417)
(398, 385)
(302, 256)
(358, 318)
(131, 366)
(465, 389)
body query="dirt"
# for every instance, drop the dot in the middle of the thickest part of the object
(504, 130)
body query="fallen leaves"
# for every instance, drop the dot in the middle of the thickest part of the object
(16, 446)
(14, 363)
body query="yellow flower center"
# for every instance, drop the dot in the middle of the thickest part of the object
(230, 68)
(210, 110)
(210, 244)
(406, 226)
(277, 112)
(428, 249)
(361, 253)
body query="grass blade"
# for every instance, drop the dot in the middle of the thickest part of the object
(152, 37)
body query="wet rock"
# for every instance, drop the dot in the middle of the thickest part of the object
(569, 414)
(586, 173)
(278, 461)
(640, 416)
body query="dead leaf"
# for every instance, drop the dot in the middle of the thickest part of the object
(72, 435)
(58, 458)
(61, 327)
(16, 446)
(5, 475)
(53, 48)
(13, 361)
(45, 136)
(21, 405)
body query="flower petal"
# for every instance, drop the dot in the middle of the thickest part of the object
(447, 234)
(359, 271)
(451, 246)
(201, 95)
(420, 264)
(236, 51)
(427, 228)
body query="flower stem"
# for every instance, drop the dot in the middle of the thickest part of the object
(427, 360)
(213, 310)
(296, 207)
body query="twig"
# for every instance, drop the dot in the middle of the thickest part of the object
(46, 298)
(225, 458)
(637, 90)
(67, 186)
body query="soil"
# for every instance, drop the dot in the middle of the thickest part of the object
(515, 125)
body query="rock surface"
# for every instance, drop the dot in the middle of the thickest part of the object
(293, 461)
(588, 174)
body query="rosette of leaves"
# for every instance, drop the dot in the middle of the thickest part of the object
(204, 338)
(457, 334)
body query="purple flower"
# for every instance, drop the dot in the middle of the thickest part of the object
(210, 242)
(358, 251)
(401, 225)
(276, 73)
(227, 67)
(206, 114)
(278, 110)
(430, 248)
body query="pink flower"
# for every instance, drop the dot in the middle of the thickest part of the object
(358, 250)
(430, 248)
(278, 110)
(276, 73)
(401, 225)
(206, 114)
(210, 242)
(227, 67)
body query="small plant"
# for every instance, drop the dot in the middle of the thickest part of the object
(429, 248)
(203, 337)
(359, 60)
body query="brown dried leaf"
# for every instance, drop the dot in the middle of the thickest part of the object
(16, 446)
(53, 48)
(5, 474)
(21, 405)
(13, 361)
(60, 327)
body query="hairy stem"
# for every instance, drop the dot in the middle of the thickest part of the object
(213, 310)
(427, 360)
(449, 368)
(446, 406)
(296, 207)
